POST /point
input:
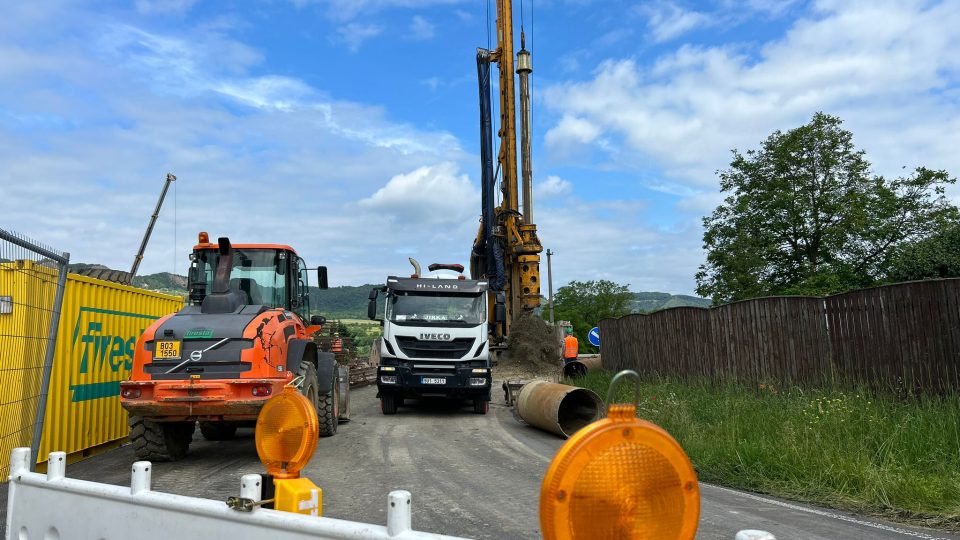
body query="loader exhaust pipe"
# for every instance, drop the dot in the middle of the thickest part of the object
(221, 277)
(582, 365)
(558, 408)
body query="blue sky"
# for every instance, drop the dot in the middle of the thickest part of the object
(349, 128)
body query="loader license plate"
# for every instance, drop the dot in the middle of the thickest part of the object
(168, 350)
(433, 380)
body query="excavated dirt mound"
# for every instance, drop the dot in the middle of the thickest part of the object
(532, 349)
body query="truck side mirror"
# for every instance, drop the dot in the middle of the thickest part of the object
(372, 305)
(322, 277)
(318, 320)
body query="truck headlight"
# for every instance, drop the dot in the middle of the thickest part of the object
(388, 379)
(476, 381)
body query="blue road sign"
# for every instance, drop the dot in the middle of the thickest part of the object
(594, 336)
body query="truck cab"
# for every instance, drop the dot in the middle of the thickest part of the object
(435, 339)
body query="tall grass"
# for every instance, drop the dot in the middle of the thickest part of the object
(844, 448)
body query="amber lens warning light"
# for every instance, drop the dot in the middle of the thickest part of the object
(286, 435)
(620, 477)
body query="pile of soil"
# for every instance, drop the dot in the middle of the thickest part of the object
(532, 350)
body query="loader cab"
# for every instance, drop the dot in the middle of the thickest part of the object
(264, 274)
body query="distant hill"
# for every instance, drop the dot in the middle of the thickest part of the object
(350, 302)
(648, 302)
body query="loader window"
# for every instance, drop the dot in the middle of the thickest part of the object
(452, 309)
(256, 273)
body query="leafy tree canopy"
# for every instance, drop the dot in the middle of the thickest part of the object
(585, 303)
(804, 215)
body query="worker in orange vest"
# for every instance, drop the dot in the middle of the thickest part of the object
(337, 345)
(571, 347)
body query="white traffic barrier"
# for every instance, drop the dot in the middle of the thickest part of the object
(54, 506)
(43, 506)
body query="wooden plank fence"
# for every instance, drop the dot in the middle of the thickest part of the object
(902, 337)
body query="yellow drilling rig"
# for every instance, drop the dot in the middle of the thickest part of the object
(506, 251)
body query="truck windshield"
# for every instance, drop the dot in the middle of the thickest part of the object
(462, 309)
(260, 274)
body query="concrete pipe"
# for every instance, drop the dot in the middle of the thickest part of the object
(558, 408)
(580, 366)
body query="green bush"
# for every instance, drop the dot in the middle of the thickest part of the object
(849, 449)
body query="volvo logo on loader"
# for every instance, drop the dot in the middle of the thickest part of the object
(435, 337)
(196, 356)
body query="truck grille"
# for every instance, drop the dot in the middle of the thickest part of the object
(415, 348)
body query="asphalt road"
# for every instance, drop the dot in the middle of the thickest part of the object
(470, 475)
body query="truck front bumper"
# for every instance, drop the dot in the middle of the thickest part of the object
(410, 380)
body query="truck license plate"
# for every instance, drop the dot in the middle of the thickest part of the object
(168, 350)
(433, 380)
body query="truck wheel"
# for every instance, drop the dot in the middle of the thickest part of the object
(160, 441)
(218, 431)
(388, 403)
(328, 409)
(481, 406)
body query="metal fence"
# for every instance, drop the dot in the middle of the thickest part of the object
(903, 337)
(32, 280)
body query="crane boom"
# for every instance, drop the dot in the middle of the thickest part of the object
(153, 221)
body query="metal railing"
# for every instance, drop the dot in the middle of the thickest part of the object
(32, 281)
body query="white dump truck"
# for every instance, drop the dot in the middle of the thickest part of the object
(435, 336)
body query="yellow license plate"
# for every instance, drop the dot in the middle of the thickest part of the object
(168, 350)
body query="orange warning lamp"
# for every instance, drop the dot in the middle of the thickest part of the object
(204, 238)
(620, 477)
(286, 435)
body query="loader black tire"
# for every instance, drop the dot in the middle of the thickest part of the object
(160, 441)
(328, 409)
(218, 431)
(309, 385)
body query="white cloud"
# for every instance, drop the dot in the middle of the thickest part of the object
(345, 10)
(570, 133)
(421, 28)
(667, 20)
(888, 69)
(155, 7)
(552, 186)
(435, 195)
(354, 34)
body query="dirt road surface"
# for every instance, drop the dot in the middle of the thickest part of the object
(470, 475)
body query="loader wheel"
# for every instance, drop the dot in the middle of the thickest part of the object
(388, 403)
(160, 441)
(309, 387)
(218, 431)
(328, 409)
(481, 406)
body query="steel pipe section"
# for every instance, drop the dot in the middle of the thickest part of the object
(558, 408)
(580, 366)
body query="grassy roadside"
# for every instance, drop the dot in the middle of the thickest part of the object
(846, 449)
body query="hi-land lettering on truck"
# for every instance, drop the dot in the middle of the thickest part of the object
(435, 337)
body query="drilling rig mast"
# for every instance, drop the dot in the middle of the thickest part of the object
(507, 249)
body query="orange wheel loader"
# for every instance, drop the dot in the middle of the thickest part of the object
(216, 361)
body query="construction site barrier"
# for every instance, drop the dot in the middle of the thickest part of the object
(37, 504)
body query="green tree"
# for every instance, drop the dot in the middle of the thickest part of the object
(585, 303)
(937, 256)
(804, 215)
